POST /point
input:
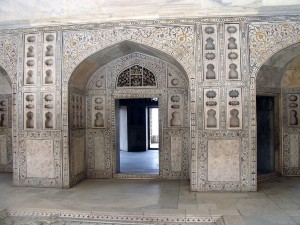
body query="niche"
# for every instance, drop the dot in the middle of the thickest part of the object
(29, 110)
(293, 117)
(49, 121)
(234, 108)
(48, 59)
(211, 118)
(49, 77)
(29, 120)
(210, 52)
(175, 110)
(210, 73)
(3, 113)
(175, 120)
(209, 44)
(98, 110)
(233, 74)
(232, 44)
(234, 119)
(3, 120)
(48, 111)
(211, 108)
(30, 78)
(77, 111)
(30, 52)
(293, 109)
(30, 67)
(99, 122)
(233, 52)
(49, 50)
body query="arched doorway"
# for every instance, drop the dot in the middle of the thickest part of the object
(6, 158)
(277, 107)
(96, 88)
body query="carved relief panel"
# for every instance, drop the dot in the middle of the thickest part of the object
(293, 109)
(4, 113)
(232, 51)
(30, 111)
(30, 60)
(175, 110)
(175, 79)
(234, 108)
(98, 112)
(49, 47)
(49, 116)
(210, 52)
(211, 108)
(77, 111)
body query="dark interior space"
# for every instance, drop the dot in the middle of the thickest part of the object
(266, 133)
(133, 137)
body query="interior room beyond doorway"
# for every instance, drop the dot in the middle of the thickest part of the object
(138, 136)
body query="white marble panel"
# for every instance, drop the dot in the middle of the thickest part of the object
(78, 154)
(223, 160)
(3, 150)
(294, 151)
(176, 153)
(5, 87)
(39, 159)
(99, 147)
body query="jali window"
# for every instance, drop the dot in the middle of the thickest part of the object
(136, 76)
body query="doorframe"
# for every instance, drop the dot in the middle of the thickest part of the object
(148, 129)
(114, 140)
(278, 137)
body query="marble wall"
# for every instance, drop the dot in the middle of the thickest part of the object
(135, 76)
(203, 72)
(6, 159)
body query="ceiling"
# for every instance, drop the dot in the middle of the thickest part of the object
(20, 13)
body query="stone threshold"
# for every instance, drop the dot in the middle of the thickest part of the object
(68, 217)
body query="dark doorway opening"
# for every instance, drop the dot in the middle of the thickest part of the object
(267, 137)
(137, 136)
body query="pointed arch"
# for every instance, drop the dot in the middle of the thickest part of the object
(88, 66)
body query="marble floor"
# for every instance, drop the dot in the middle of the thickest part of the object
(276, 202)
(145, 162)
